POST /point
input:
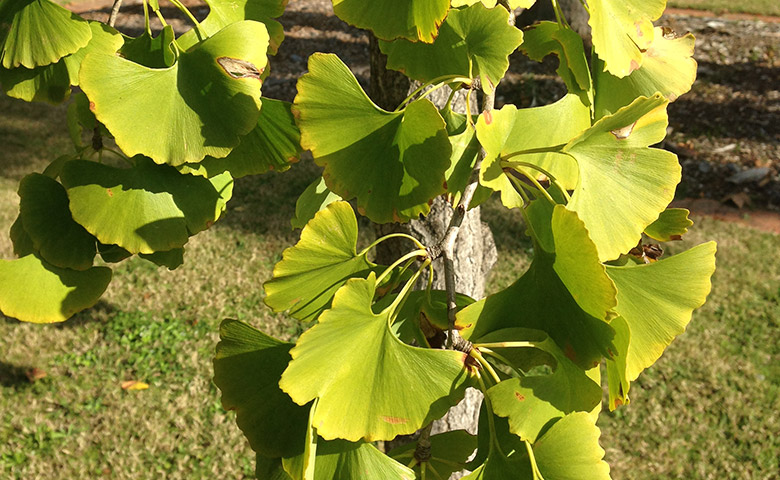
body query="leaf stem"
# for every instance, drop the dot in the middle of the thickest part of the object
(534, 466)
(552, 149)
(520, 185)
(491, 421)
(407, 287)
(475, 353)
(501, 358)
(515, 344)
(543, 172)
(406, 257)
(392, 235)
(182, 8)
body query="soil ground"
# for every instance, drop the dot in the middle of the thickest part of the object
(726, 130)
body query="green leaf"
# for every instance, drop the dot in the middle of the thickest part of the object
(145, 209)
(391, 19)
(547, 38)
(656, 301)
(113, 253)
(566, 294)
(247, 369)
(624, 185)
(315, 198)
(322, 261)
(667, 68)
(509, 131)
(531, 402)
(200, 106)
(51, 83)
(621, 30)
(225, 12)
(672, 224)
(370, 385)
(172, 259)
(149, 51)
(273, 144)
(32, 290)
(472, 42)
(449, 453)
(34, 33)
(570, 450)
(392, 162)
(46, 218)
(342, 460)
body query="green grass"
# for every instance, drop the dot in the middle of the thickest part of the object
(759, 7)
(706, 410)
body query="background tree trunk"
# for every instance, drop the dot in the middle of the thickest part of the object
(475, 248)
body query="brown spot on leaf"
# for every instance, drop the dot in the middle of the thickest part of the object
(393, 420)
(623, 133)
(520, 397)
(91, 106)
(444, 185)
(634, 65)
(361, 211)
(396, 218)
(237, 68)
(110, 193)
(618, 402)
(570, 353)
(488, 117)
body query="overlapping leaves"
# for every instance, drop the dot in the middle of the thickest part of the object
(369, 384)
(390, 19)
(392, 162)
(473, 42)
(199, 106)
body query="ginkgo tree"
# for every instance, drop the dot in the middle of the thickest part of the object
(378, 358)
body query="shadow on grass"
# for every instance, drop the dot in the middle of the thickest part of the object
(14, 376)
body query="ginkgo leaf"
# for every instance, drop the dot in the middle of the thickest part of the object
(324, 258)
(545, 38)
(274, 144)
(368, 383)
(150, 51)
(34, 33)
(200, 106)
(449, 453)
(532, 401)
(667, 68)
(505, 133)
(567, 294)
(343, 460)
(617, 168)
(51, 83)
(32, 290)
(656, 301)
(621, 30)
(472, 42)
(172, 259)
(390, 19)
(392, 162)
(672, 224)
(570, 450)
(247, 368)
(144, 209)
(224, 12)
(312, 200)
(57, 238)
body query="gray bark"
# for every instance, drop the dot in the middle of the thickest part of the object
(475, 248)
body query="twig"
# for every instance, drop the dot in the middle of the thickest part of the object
(114, 13)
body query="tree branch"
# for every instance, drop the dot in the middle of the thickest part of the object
(114, 13)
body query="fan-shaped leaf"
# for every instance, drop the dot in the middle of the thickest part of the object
(656, 301)
(46, 218)
(149, 51)
(449, 452)
(145, 209)
(322, 261)
(393, 162)
(621, 30)
(472, 42)
(667, 68)
(618, 169)
(342, 460)
(247, 369)
(35, 291)
(370, 385)
(510, 131)
(391, 19)
(34, 33)
(531, 402)
(312, 200)
(672, 224)
(200, 106)
(570, 450)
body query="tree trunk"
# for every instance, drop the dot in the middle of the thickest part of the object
(475, 248)
(575, 14)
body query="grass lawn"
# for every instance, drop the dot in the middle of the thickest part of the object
(760, 7)
(707, 410)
